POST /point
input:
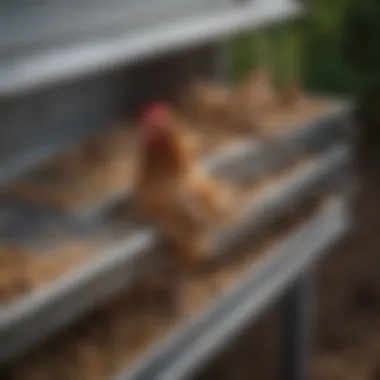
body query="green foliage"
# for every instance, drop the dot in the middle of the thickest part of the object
(325, 67)
(334, 48)
(248, 50)
(362, 45)
(276, 48)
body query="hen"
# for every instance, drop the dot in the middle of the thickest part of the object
(207, 104)
(98, 151)
(173, 191)
(290, 94)
(255, 96)
(239, 109)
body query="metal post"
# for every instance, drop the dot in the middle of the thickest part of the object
(295, 329)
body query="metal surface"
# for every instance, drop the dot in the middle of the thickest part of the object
(86, 40)
(37, 127)
(69, 21)
(43, 231)
(29, 320)
(319, 176)
(192, 344)
(296, 328)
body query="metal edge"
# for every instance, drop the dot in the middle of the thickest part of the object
(63, 31)
(190, 345)
(78, 61)
(29, 320)
(278, 200)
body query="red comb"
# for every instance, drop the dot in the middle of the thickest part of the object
(155, 113)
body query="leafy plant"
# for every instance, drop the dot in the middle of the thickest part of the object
(332, 49)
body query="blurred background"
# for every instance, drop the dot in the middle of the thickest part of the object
(331, 50)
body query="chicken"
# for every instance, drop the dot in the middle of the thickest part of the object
(13, 281)
(289, 95)
(207, 104)
(239, 109)
(65, 165)
(255, 96)
(174, 192)
(98, 151)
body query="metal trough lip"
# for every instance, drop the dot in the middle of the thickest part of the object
(30, 319)
(188, 346)
(277, 200)
(73, 62)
